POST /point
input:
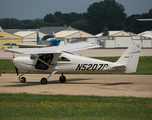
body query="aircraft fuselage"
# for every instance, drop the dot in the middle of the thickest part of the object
(66, 63)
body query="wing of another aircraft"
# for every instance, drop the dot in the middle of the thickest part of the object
(47, 40)
(55, 49)
(25, 45)
(146, 35)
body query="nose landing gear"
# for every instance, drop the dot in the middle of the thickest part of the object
(22, 79)
(43, 81)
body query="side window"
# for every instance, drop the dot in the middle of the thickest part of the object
(63, 59)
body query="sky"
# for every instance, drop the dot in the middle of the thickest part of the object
(33, 9)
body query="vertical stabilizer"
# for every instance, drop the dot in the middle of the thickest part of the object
(130, 57)
(38, 38)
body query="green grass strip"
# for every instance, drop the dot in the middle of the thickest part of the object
(64, 107)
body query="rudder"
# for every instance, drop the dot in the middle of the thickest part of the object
(130, 57)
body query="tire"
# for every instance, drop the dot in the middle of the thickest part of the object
(22, 79)
(43, 81)
(62, 79)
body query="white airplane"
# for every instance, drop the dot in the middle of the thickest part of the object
(46, 41)
(60, 60)
(145, 19)
(145, 35)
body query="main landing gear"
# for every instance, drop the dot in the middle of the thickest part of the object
(62, 79)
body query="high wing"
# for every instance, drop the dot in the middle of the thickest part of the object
(55, 49)
(25, 45)
(146, 35)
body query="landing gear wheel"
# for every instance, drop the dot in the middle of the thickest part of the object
(22, 79)
(43, 81)
(62, 79)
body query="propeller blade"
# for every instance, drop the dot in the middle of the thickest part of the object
(16, 70)
(13, 56)
(15, 66)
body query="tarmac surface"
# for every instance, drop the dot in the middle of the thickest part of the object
(80, 84)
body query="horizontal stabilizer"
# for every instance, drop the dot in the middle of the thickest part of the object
(117, 69)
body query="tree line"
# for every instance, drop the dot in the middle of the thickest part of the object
(105, 14)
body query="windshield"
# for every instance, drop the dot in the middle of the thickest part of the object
(47, 36)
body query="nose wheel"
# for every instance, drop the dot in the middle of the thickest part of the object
(22, 79)
(62, 78)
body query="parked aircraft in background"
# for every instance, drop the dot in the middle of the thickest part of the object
(60, 60)
(47, 40)
(145, 19)
(145, 35)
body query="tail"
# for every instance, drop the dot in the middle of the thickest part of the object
(38, 38)
(130, 57)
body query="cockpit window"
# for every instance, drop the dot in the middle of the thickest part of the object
(63, 59)
(47, 36)
(46, 58)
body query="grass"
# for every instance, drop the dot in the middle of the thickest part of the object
(62, 107)
(144, 65)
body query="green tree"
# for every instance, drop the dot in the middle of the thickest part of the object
(11, 23)
(105, 31)
(105, 13)
(150, 12)
(58, 15)
(49, 18)
(80, 24)
(34, 24)
(132, 25)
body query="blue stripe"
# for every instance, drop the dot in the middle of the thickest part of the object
(10, 44)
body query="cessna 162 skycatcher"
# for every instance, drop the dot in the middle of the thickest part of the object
(46, 41)
(60, 60)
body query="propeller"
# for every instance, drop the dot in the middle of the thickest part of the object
(15, 66)
(16, 70)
